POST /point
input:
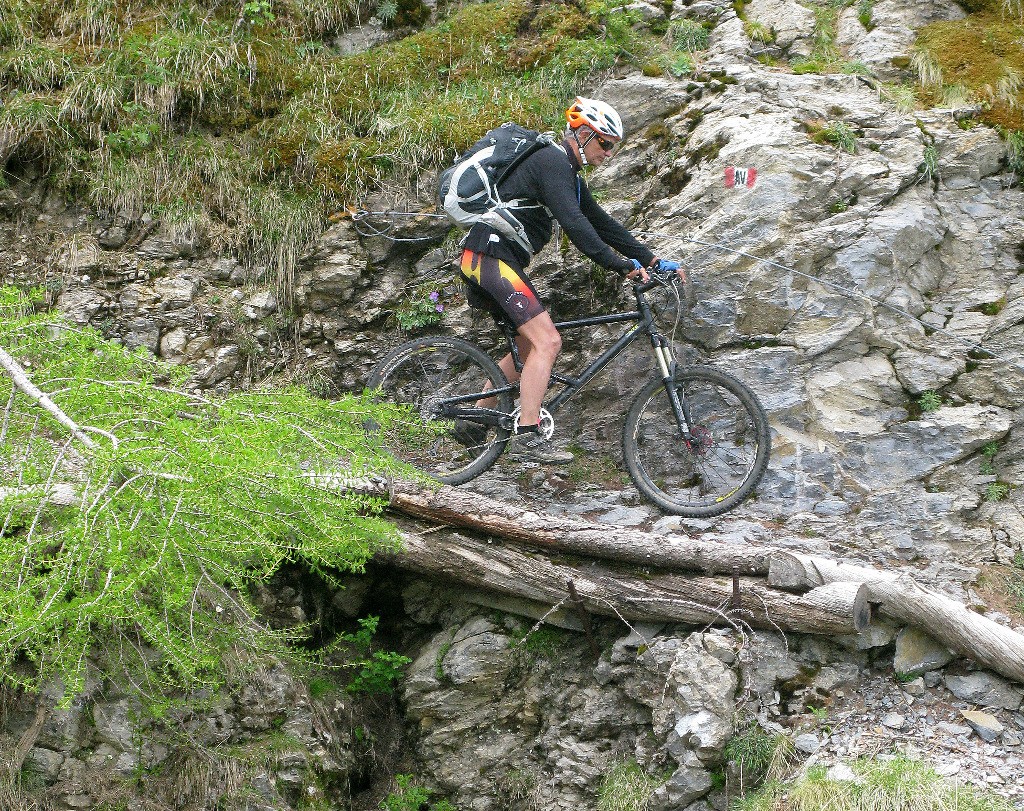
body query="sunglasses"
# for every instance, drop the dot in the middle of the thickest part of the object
(604, 143)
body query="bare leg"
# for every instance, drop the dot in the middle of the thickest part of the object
(508, 366)
(545, 343)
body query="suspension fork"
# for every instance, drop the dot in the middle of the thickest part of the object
(667, 366)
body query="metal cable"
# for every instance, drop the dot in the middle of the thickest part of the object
(856, 294)
(360, 221)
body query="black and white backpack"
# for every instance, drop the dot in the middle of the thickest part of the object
(468, 190)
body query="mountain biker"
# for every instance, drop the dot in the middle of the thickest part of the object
(493, 265)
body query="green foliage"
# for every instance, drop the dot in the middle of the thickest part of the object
(838, 133)
(929, 167)
(757, 755)
(627, 787)
(186, 504)
(997, 491)
(988, 453)
(1015, 152)
(420, 308)
(258, 12)
(378, 671)
(250, 122)
(929, 401)
(975, 61)
(542, 642)
(758, 32)
(897, 784)
(412, 797)
(864, 12)
(689, 35)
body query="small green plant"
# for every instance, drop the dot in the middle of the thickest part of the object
(378, 671)
(841, 134)
(689, 35)
(997, 491)
(758, 32)
(820, 713)
(929, 401)
(929, 168)
(439, 673)
(411, 797)
(258, 12)
(838, 207)
(387, 10)
(988, 453)
(1015, 152)
(627, 787)
(757, 756)
(421, 308)
(320, 687)
(864, 10)
(543, 642)
(901, 96)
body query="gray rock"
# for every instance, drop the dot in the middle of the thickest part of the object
(641, 100)
(985, 690)
(787, 19)
(260, 305)
(914, 687)
(166, 248)
(894, 721)
(221, 366)
(917, 653)
(142, 332)
(45, 762)
(987, 726)
(113, 237)
(684, 786)
(807, 743)
(173, 345)
(176, 291)
(82, 304)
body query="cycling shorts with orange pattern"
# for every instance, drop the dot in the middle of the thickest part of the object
(508, 288)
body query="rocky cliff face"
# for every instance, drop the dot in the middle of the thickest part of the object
(846, 258)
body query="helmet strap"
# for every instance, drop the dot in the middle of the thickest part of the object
(583, 146)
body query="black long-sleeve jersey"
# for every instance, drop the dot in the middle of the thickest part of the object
(550, 176)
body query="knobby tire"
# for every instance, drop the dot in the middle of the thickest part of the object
(727, 453)
(417, 377)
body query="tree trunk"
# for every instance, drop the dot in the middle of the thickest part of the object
(903, 600)
(838, 608)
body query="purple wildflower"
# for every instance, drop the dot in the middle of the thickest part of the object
(440, 308)
(434, 297)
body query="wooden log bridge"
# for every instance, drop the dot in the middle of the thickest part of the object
(778, 589)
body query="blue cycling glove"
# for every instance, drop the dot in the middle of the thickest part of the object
(664, 266)
(636, 265)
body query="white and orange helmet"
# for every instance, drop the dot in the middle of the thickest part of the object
(597, 115)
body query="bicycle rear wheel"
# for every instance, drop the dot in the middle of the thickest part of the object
(427, 380)
(721, 461)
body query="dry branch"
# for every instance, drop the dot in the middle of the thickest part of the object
(30, 390)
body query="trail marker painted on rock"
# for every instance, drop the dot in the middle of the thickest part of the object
(740, 176)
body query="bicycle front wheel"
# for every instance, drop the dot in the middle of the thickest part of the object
(434, 384)
(716, 462)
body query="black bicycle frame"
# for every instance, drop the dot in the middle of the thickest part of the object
(644, 320)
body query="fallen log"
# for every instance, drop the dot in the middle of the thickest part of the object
(837, 608)
(557, 533)
(900, 598)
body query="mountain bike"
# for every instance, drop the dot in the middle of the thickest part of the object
(695, 439)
